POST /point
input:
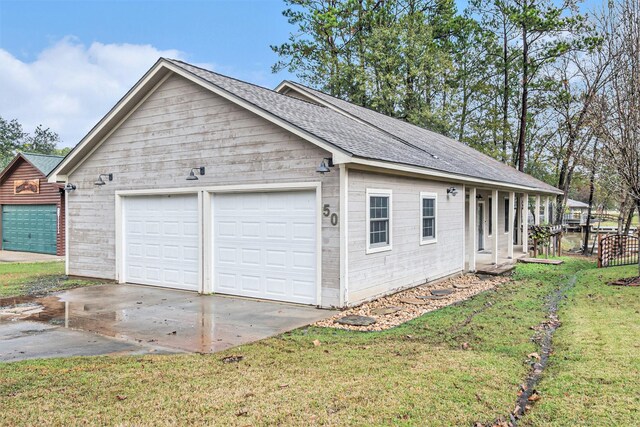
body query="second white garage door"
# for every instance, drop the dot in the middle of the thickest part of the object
(265, 245)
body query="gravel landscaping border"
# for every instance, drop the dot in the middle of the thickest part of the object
(393, 310)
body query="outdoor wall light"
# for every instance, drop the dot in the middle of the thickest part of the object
(324, 165)
(452, 191)
(100, 181)
(192, 176)
(69, 187)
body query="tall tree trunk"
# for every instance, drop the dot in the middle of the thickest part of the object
(627, 225)
(463, 114)
(505, 91)
(622, 211)
(561, 202)
(525, 98)
(361, 80)
(638, 209)
(592, 188)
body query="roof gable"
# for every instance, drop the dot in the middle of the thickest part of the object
(42, 163)
(143, 89)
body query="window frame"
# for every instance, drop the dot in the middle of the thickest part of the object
(434, 239)
(372, 192)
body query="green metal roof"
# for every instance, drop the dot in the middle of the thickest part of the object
(45, 163)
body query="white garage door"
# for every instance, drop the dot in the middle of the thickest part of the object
(161, 241)
(265, 245)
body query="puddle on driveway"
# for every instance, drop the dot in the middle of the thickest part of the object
(160, 317)
(123, 323)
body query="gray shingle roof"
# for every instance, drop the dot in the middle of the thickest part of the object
(45, 163)
(380, 138)
(576, 204)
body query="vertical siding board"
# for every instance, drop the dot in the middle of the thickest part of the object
(158, 144)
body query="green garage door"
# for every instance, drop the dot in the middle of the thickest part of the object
(29, 228)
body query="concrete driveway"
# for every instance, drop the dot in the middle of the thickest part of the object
(133, 319)
(13, 256)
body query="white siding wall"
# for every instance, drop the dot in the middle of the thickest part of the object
(181, 126)
(408, 263)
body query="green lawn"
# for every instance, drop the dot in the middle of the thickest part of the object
(421, 373)
(35, 278)
(594, 377)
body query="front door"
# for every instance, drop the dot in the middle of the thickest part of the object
(480, 226)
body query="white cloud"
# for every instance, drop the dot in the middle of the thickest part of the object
(70, 86)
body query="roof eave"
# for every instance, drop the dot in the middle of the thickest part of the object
(10, 166)
(287, 85)
(452, 177)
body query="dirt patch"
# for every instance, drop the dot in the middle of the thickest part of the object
(630, 281)
(28, 307)
(45, 285)
(14, 301)
(414, 302)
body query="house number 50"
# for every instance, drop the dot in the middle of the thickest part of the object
(333, 217)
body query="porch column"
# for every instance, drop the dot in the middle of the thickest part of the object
(511, 221)
(525, 223)
(494, 220)
(536, 214)
(546, 210)
(464, 232)
(473, 229)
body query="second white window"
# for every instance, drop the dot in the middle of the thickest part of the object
(428, 217)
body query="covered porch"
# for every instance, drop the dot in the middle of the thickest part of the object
(497, 223)
(485, 262)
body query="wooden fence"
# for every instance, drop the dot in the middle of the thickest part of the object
(617, 249)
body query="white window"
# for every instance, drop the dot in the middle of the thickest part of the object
(378, 220)
(428, 214)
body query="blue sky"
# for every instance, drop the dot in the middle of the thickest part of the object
(47, 46)
(230, 34)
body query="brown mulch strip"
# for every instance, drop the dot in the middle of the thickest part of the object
(630, 281)
(410, 305)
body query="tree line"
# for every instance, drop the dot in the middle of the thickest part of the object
(546, 86)
(14, 139)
